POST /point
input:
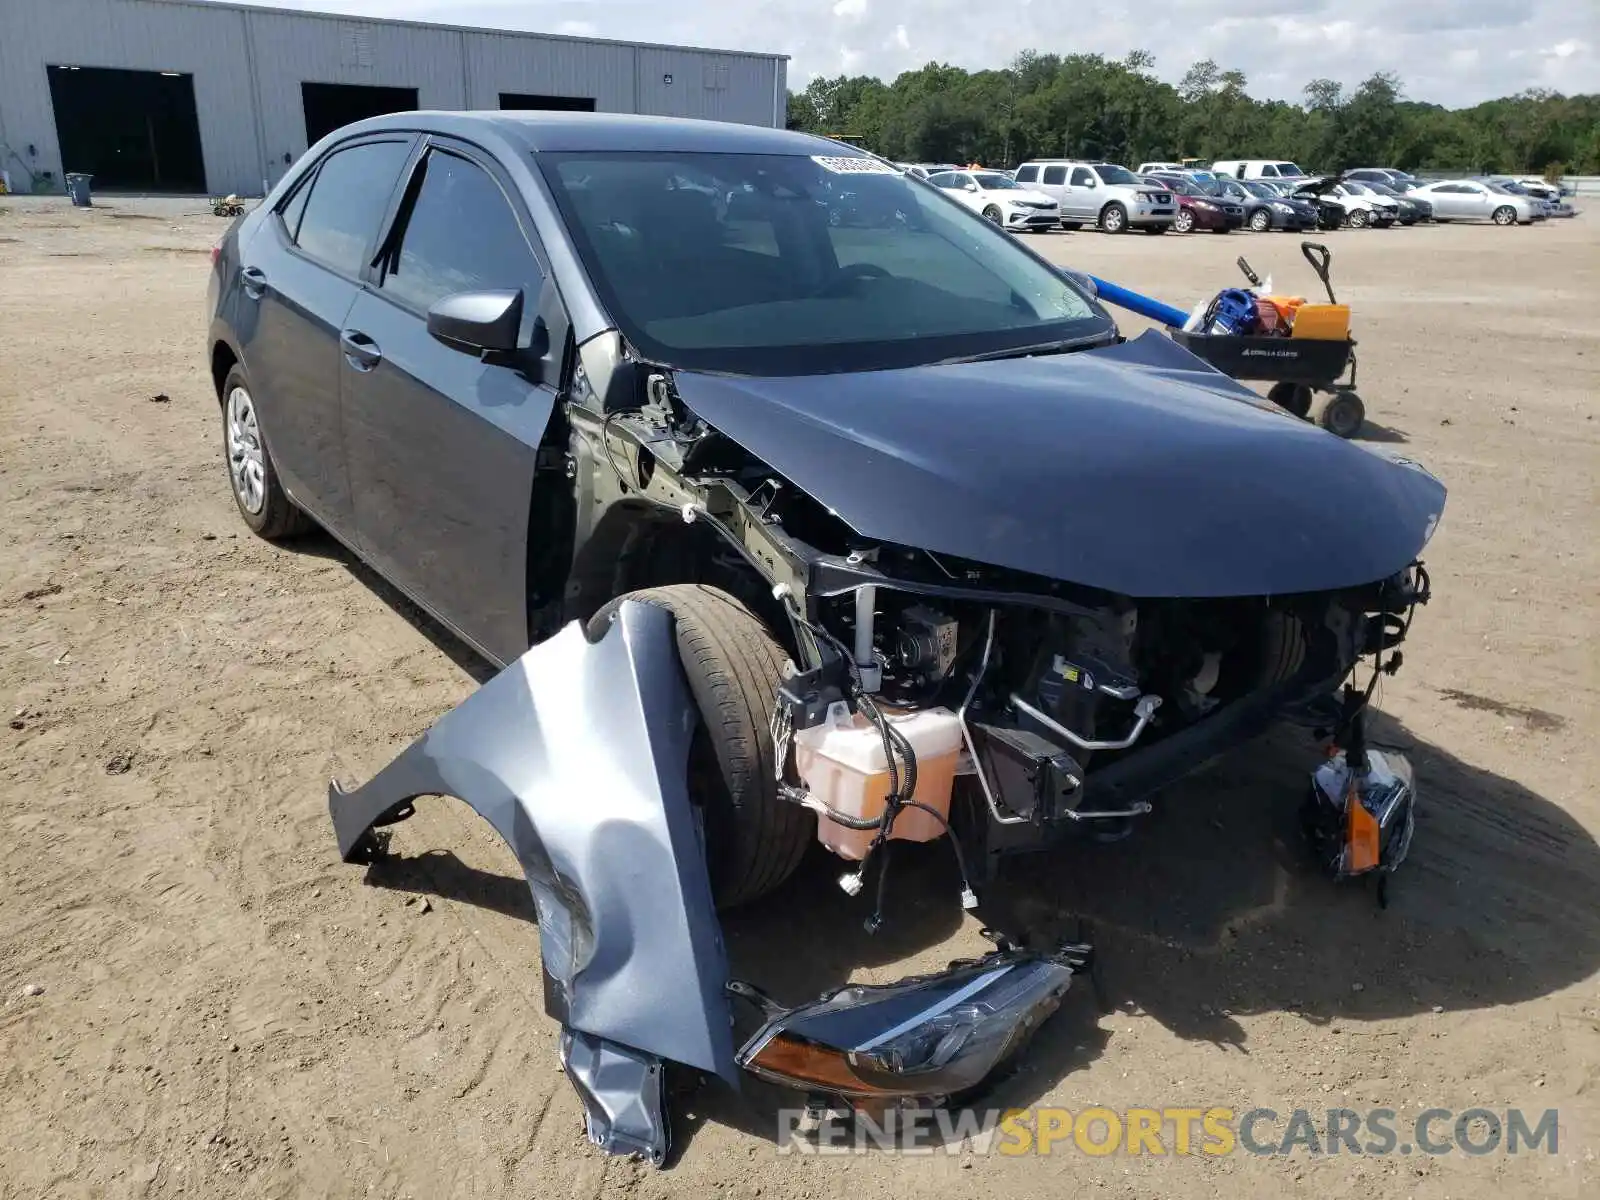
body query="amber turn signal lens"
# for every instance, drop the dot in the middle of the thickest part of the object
(797, 1063)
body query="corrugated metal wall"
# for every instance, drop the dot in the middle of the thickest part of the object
(248, 65)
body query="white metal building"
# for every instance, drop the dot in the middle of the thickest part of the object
(190, 95)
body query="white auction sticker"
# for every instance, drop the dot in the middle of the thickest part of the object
(849, 165)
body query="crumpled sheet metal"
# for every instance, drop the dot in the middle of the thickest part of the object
(623, 1094)
(577, 753)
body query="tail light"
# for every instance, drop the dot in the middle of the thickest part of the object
(929, 1037)
(216, 254)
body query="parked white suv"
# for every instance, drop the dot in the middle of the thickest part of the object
(1102, 194)
(999, 198)
(1258, 168)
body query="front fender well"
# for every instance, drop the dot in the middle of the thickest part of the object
(576, 754)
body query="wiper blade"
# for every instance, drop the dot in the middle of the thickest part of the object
(1064, 346)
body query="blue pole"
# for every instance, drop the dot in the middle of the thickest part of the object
(1143, 305)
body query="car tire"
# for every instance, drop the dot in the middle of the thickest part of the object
(1293, 398)
(1184, 221)
(252, 476)
(992, 214)
(1260, 220)
(754, 839)
(1360, 218)
(1504, 215)
(1113, 218)
(1343, 414)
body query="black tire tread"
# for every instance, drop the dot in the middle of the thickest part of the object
(279, 519)
(733, 666)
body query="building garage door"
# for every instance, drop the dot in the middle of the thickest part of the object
(330, 106)
(523, 101)
(131, 130)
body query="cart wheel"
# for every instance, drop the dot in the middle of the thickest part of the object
(1293, 398)
(1343, 414)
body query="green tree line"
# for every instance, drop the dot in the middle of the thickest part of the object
(1088, 106)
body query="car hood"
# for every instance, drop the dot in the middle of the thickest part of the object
(1136, 469)
(1027, 194)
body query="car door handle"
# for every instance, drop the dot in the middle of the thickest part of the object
(254, 280)
(360, 351)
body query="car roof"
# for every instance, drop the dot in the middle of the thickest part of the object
(572, 131)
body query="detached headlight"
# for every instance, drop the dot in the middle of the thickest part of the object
(928, 1038)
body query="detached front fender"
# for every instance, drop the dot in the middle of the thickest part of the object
(577, 753)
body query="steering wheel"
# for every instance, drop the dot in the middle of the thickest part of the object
(851, 274)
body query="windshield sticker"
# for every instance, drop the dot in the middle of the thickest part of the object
(844, 165)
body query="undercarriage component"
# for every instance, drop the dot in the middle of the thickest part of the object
(576, 753)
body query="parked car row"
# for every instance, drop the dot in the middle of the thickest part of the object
(1255, 194)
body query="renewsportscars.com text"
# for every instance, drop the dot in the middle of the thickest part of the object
(1098, 1131)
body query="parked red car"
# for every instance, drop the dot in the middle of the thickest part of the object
(1197, 210)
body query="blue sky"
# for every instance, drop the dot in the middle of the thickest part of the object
(1451, 52)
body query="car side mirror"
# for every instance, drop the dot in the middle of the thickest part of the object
(474, 322)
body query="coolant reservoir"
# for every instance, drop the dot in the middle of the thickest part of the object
(843, 766)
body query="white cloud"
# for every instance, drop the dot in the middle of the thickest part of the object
(1279, 46)
(578, 28)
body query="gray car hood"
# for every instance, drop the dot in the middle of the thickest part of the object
(1137, 469)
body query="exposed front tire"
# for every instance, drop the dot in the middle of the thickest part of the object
(992, 214)
(1504, 215)
(252, 475)
(1260, 220)
(1360, 219)
(1113, 218)
(1184, 222)
(754, 839)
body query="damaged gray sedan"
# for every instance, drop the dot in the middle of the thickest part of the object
(787, 530)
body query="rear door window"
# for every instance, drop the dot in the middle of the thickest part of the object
(1055, 175)
(1082, 177)
(347, 201)
(1269, 171)
(462, 235)
(1029, 174)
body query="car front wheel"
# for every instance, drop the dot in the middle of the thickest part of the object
(1184, 222)
(1260, 220)
(754, 838)
(252, 476)
(1114, 218)
(1505, 215)
(992, 214)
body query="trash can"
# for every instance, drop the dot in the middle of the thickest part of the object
(78, 189)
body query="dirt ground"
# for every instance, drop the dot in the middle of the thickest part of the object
(197, 998)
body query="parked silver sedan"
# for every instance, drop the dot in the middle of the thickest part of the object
(1473, 200)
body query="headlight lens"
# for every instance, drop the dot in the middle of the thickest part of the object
(930, 1037)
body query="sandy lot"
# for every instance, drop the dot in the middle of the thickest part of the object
(227, 1010)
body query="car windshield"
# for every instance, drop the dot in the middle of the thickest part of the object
(1257, 188)
(1500, 189)
(1112, 174)
(1356, 187)
(993, 181)
(1289, 171)
(1382, 189)
(1184, 187)
(777, 264)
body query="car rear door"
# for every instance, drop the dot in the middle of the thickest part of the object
(443, 444)
(298, 278)
(1053, 183)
